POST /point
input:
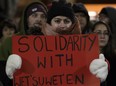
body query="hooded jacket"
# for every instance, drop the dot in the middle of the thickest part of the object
(79, 7)
(6, 47)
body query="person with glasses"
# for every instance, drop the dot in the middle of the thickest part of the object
(105, 45)
(104, 33)
(107, 14)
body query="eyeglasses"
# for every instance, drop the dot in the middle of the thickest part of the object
(104, 33)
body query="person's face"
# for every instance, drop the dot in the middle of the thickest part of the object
(61, 24)
(8, 32)
(103, 34)
(37, 19)
(103, 17)
(82, 19)
(36, 22)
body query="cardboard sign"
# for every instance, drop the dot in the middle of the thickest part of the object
(56, 60)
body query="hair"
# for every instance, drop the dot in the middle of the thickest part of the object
(107, 50)
(79, 7)
(8, 23)
(101, 22)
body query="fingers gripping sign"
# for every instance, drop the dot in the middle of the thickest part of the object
(99, 68)
(14, 62)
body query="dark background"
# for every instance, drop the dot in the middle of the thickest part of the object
(97, 1)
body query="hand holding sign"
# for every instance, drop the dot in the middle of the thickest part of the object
(14, 62)
(99, 67)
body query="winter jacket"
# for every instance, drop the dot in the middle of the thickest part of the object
(6, 47)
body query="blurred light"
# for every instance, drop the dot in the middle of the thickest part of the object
(92, 15)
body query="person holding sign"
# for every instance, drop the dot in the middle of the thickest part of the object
(32, 21)
(61, 21)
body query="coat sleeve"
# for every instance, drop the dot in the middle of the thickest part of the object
(6, 49)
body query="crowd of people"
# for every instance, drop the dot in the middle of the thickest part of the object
(61, 18)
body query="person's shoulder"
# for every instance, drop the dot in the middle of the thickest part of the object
(8, 39)
(7, 42)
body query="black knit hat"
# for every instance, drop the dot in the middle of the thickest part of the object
(60, 9)
(35, 7)
(79, 7)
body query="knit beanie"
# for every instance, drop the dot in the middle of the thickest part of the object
(79, 7)
(60, 9)
(36, 7)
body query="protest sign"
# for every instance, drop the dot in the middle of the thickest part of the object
(56, 60)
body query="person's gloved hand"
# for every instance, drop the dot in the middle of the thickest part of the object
(13, 63)
(99, 68)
